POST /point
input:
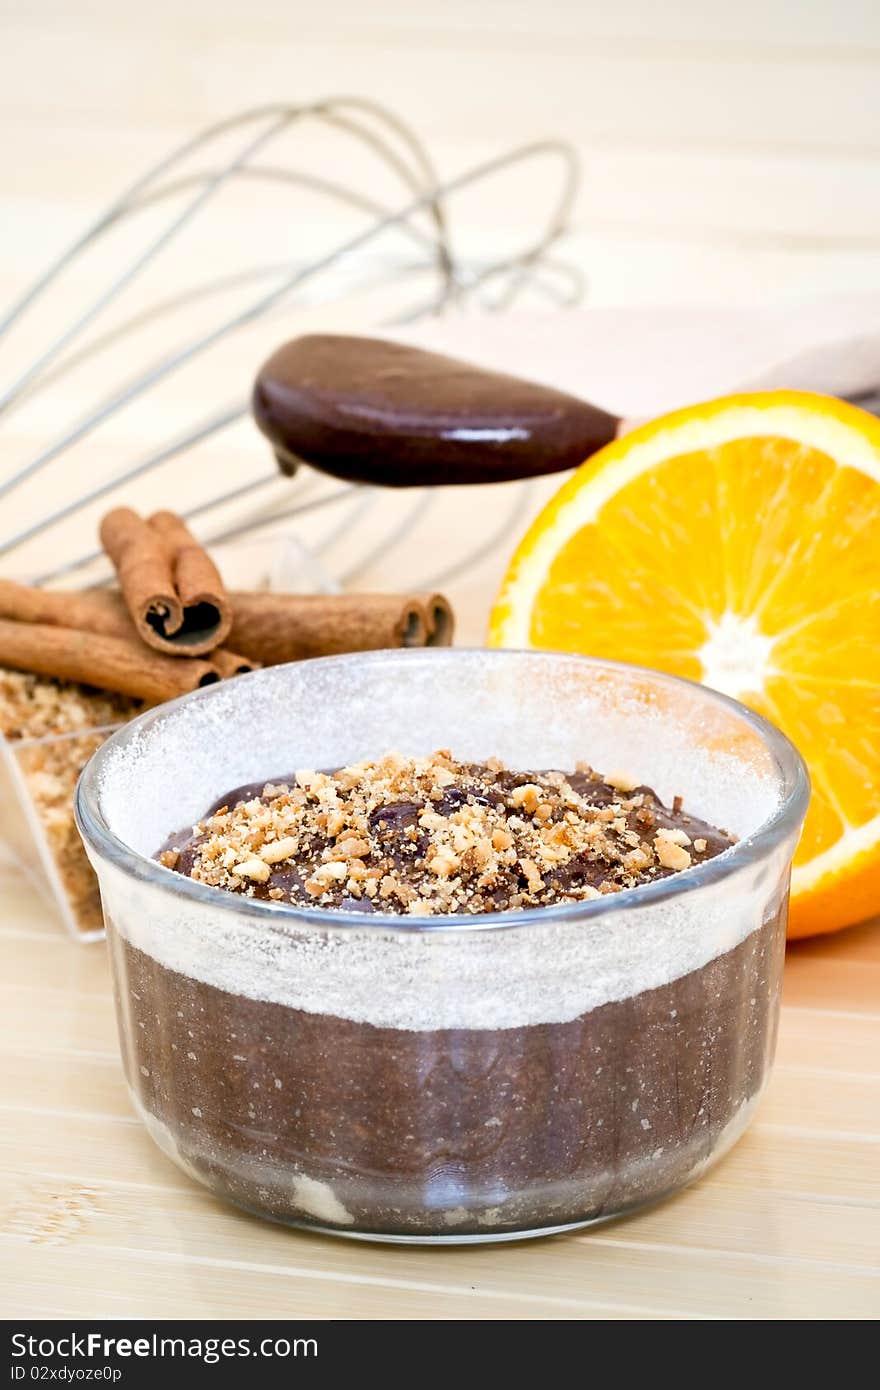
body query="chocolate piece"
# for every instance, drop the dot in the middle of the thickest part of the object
(378, 412)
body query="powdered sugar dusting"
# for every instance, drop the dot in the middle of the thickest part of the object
(527, 708)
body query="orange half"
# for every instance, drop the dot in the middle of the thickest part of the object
(737, 543)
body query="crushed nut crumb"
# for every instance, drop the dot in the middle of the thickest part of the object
(71, 721)
(432, 835)
(254, 869)
(674, 835)
(671, 855)
(278, 850)
(621, 781)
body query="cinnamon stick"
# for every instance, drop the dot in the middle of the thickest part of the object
(228, 664)
(196, 578)
(439, 620)
(274, 628)
(110, 663)
(48, 631)
(172, 589)
(94, 610)
(89, 610)
(267, 628)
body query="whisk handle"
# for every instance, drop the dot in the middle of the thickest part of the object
(379, 412)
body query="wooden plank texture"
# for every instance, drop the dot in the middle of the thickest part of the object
(730, 155)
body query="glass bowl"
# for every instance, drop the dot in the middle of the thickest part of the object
(37, 832)
(464, 1077)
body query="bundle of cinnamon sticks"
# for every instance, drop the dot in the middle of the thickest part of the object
(171, 626)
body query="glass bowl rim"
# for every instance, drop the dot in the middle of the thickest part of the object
(759, 844)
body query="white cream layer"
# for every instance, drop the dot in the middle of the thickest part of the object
(532, 712)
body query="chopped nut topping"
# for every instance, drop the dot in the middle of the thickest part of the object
(673, 835)
(335, 870)
(432, 835)
(621, 781)
(671, 855)
(37, 708)
(532, 873)
(254, 869)
(352, 849)
(422, 907)
(700, 846)
(279, 850)
(528, 797)
(637, 860)
(442, 861)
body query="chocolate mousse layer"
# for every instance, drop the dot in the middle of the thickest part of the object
(322, 1120)
(391, 1104)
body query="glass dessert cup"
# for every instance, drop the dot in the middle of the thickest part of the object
(452, 1078)
(37, 834)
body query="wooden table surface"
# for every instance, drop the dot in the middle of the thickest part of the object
(730, 156)
(96, 1222)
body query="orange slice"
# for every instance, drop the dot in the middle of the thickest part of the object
(737, 543)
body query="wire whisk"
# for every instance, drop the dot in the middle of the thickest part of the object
(399, 250)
